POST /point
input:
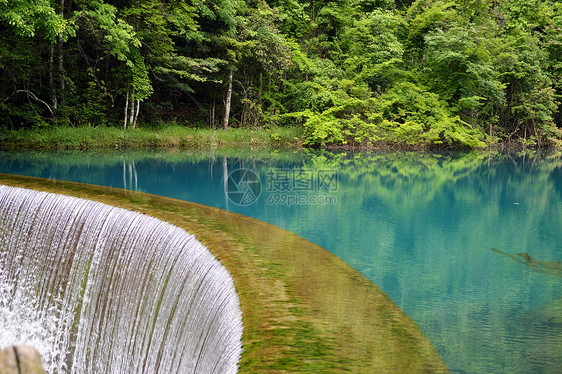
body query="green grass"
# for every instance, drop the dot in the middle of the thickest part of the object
(169, 136)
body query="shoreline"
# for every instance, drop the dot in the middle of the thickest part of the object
(169, 137)
(175, 137)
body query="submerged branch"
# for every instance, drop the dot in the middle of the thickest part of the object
(546, 267)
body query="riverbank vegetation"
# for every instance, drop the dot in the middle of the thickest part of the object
(175, 136)
(425, 73)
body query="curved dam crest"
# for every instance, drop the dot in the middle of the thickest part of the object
(304, 309)
(101, 289)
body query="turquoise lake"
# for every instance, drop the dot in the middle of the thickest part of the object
(419, 225)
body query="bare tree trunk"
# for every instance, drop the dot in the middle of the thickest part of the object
(126, 111)
(61, 58)
(132, 112)
(228, 98)
(243, 116)
(52, 88)
(136, 114)
(61, 72)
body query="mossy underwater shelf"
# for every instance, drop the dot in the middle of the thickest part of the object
(304, 309)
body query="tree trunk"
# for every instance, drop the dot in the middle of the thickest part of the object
(126, 111)
(61, 71)
(52, 88)
(132, 113)
(61, 58)
(228, 98)
(136, 114)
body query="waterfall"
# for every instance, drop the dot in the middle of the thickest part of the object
(100, 289)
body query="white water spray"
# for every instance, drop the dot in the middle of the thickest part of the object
(100, 289)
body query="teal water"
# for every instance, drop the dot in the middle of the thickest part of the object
(420, 226)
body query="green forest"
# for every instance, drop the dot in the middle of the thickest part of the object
(426, 73)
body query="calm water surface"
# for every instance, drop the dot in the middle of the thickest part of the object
(421, 226)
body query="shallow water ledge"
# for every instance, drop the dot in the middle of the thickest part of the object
(304, 309)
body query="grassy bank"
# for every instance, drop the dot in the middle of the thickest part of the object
(171, 136)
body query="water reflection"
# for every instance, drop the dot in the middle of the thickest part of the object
(130, 175)
(421, 226)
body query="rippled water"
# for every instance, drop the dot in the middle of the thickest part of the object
(421, 226)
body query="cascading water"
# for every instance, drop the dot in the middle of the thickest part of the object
(100, 289)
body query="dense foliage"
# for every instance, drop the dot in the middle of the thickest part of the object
(434, 73)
